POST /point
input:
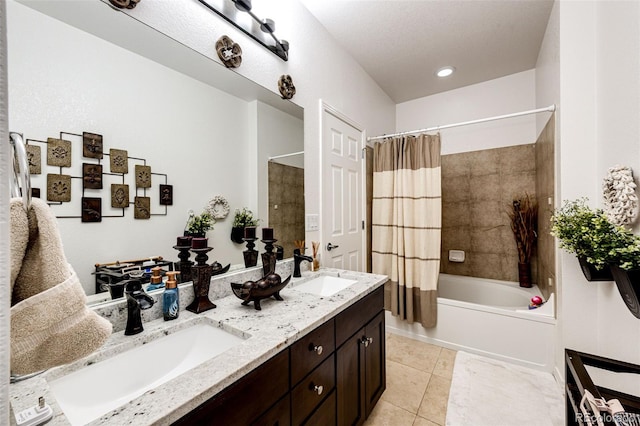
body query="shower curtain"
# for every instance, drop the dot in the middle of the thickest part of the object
(406, 224)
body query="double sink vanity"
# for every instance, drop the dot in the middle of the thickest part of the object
(317, 357)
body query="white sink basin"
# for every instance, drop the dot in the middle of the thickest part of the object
(324, 285)
(86, 394)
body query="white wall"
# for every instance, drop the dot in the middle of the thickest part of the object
(506, 95)
(547, 93)
(319, 67)
(599, 97)
(195, 134)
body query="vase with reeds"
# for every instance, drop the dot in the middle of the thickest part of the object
(524, 220)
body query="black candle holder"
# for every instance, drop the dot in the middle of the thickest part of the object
(268, 258)
(184, 266)
(201, 275)
(250, 255)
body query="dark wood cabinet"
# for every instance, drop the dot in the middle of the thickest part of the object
(311, 382)
(360, 361)
(247, 399)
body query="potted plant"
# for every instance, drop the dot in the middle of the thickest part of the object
(590, 235)
(198, 225)
(626, 271)
(524, 219)
(243, 218)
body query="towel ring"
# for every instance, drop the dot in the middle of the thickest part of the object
(21, 177)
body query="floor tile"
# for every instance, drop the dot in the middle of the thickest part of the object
(419, 421)
(444, 365)
(405, 386)
(434, 403)
(387, 414)
(419, 355)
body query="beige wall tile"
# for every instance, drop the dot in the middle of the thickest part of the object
(485, 187)
(485, 162)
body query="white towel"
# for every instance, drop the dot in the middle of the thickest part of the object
(50, 323)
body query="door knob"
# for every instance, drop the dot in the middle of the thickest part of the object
(331, 247)
(318, 389)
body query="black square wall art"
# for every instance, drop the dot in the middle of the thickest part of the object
(91, 145)
(91, 209)
(91, 176)
(166, 195)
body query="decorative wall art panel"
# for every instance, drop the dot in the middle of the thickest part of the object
(34, 157)
(119, 196)
(166, 195)
(143, 176)
(91, 209)
(35, 192)
(118, 161)
(58, 152)
(91, 176)
(142, 207)
(58, 188)
(91, 145)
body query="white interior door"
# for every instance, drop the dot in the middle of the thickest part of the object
(342, 217)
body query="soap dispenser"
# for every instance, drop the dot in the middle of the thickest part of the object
(155, 281)
(171, 297)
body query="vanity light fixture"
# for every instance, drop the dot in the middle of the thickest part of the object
(267, 26)
(445, 71)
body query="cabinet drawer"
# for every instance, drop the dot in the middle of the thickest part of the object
(351, 320)
(306, 396)
(325, 414)
(278, 415)
(311, 350)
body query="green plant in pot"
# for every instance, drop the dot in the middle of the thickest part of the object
(626, 271)
(198, 225)
(588, 234)
(242, 219)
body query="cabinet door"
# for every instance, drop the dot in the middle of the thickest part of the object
(350, 374)
(375, 368)
(325, 414)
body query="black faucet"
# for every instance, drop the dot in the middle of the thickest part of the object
(297, 260)
(137, 299)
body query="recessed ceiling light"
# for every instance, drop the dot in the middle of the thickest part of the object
(445, 71)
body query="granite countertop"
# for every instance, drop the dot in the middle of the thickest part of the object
(266, 332)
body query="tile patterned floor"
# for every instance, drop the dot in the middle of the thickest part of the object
(418, 381)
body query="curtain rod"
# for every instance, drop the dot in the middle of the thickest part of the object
(550, 108)
(286, 155)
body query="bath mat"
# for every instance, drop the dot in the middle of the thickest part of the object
(490, 392)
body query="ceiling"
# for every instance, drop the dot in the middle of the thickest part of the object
(401, 44)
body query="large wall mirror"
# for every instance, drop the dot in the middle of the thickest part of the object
(78, 67)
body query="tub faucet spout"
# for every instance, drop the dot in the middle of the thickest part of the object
(297, 260)
(137, 300)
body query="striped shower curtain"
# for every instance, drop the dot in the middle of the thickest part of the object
(406, 224)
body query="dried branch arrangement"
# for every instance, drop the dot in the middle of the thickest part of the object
(524, 220)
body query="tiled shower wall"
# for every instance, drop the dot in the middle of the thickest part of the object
(545, 182)
(286, 205)
(478, 189)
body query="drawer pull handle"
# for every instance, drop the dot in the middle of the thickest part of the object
(317, 349)
(318, 389)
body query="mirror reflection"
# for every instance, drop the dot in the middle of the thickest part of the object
(202, 139)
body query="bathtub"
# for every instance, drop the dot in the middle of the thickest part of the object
(489, 318)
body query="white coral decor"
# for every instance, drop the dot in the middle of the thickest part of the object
(620, 199)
